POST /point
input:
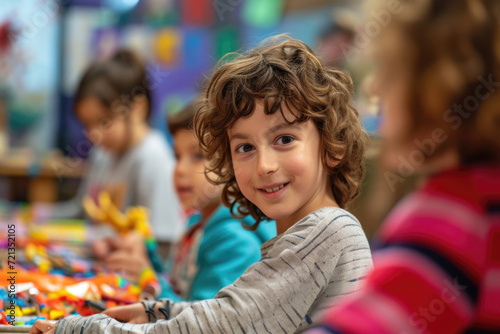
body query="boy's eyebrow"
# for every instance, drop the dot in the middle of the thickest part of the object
(271, 131)
(238, 136)
(281, 126)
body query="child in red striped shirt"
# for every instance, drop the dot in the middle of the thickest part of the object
(439, 267)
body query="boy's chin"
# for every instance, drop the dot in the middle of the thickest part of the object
(276, 215)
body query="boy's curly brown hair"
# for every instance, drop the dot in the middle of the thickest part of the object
(282, 72)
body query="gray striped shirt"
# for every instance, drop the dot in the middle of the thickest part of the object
(303, 272)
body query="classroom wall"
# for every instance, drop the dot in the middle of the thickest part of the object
(181, 41)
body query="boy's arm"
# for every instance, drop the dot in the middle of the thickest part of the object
(272, 296)
(267, 298)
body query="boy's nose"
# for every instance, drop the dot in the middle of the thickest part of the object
(267, 164)
(180, 167)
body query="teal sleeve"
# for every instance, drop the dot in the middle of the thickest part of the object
(166, 290)
(154, 257)
(226, 251)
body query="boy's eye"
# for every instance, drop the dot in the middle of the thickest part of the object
(284, 140)
(245, 148)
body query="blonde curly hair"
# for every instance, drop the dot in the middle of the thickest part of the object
(281, 72)
(448, 49)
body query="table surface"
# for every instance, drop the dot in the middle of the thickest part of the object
(14, 329)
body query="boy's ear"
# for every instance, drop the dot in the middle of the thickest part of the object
(333, 160)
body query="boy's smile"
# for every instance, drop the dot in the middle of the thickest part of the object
(278, 166)
(274, 190)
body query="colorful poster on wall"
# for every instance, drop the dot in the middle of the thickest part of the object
(197, 12)
(104, 42)
(160, 12)
(226, 40)
(198, 48)
(138, 37)
(167, 46)
(262, 13)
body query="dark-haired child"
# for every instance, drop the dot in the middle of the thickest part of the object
(129, 159)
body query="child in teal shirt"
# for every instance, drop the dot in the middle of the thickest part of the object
(209, 255)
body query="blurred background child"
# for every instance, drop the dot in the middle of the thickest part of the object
(215, 249)
(130, 160)
(438, 73)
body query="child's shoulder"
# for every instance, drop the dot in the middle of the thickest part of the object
(324, 220)
(223, 223)
(450, 203)
(153, 152)
(154, 141)
(325, 228)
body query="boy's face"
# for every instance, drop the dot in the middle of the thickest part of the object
(102, 129)
(191, 185)
(278, 166)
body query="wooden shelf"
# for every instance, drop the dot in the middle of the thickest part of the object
(40, 175)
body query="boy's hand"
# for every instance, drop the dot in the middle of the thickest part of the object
(105, 246)
(43, 326)
(132, 242)
(128, 265)
(127, 255)
(134, 313)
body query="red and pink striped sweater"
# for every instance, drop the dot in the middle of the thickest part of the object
(438, 269)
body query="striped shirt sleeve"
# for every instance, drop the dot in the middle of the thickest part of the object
(274, 295)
